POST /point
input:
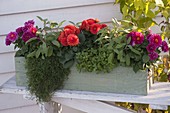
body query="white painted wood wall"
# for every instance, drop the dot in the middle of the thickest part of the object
(14, 13)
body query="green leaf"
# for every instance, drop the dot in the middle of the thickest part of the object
(125, 10)
(135, 68)
(68, 64)
(72, 23)
(56, 43)
(38, 53)
(81, 37)
(128, 40)
(165, 13)
(61, 23)
(31, 54)
(53, 24)
(120, 46)
(75, 49)
(44, 49)
(145, 58)
(50, 51)
(150, 14)
(69, 55)
(127, 57)
(47, 28)
(110, 58)
(163, 77)
(120, 53)
(134, 50)
(39, 18)
(31, 39)
(116, 51)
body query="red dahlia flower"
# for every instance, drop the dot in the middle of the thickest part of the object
(103, 26)
(63, 41)
(70, 29)
(33, 30)
(91, 21)
(84, 25)
(95, 28)
(72, 40)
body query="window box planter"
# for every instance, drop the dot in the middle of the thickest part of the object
(121, 80)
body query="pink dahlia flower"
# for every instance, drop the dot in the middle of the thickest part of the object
(27, 35)
(12, 36)
(155, 39)
(153, 56)
(7, 42)
(151, 47)
(136, 38)
(165, 46)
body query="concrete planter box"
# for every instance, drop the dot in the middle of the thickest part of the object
(121, 80)
(21, 79)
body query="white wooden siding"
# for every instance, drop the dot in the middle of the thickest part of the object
(7, 62)
(103, 12)
(14, 13)
(18, 6)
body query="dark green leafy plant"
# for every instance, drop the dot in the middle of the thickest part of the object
(45, 76)
(46, 39)
(131, 47)
(96, 60)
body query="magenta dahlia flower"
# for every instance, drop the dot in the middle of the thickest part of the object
(19, 31)
(27, 35)
(139, 38)
(165, 46)
(12, 36)
(7, 42)
(148, 36)
(136, 38)
(153, 56)
(155, 39)
(132, 35)
(29, 22)
(151, 47)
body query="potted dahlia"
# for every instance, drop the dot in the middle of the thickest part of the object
(88, 56)
(44, 55)
(116, 55)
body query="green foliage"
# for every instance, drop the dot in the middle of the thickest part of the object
(165, 24)
(95, 60)
(67, 56)
(47, 40)
(125, 53)
(45, 76)
(141, 12)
